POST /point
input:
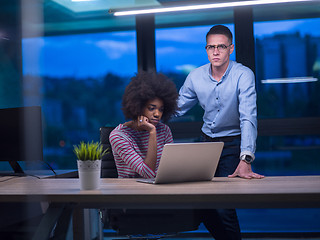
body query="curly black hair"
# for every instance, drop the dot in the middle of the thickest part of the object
(146, 86)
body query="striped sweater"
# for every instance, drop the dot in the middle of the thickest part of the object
(130, 148)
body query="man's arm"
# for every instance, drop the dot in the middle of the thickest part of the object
(187, 97)
(248, 125)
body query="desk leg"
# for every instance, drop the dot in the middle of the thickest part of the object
(61, 229)
(58, 216)
(48, 221)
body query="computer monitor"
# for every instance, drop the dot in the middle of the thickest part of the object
(20, 136)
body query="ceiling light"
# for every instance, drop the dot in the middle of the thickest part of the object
(290, 80)
(202, 6)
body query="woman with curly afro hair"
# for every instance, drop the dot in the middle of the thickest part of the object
(137, 144)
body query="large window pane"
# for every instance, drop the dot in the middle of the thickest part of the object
(79, 81)
(287, 61)
(288, 52)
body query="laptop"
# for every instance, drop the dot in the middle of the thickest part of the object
(187, 162)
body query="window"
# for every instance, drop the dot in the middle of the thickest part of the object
(288, 86)
(288, 68)
(79, 81)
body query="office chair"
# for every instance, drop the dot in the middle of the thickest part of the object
(141, 223)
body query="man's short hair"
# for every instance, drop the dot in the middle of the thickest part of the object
(220, 29)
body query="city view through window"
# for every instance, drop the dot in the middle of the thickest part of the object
(79, 79)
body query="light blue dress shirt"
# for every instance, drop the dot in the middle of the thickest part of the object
(230, 104)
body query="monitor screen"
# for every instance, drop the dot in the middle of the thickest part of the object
(21, 135)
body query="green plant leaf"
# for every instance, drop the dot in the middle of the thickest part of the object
(89, 151)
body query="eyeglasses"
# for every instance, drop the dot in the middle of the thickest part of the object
(220, 47)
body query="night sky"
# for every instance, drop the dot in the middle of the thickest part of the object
(94, 55)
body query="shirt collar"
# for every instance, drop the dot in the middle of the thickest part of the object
(226, 72)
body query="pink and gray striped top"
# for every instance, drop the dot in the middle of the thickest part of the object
(130, 147)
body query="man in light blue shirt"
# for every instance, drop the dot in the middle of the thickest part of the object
(226, 91)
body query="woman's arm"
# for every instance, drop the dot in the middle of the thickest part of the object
(151, 157)
(127, 158)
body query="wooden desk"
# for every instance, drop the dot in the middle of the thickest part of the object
(64, 195)
(270, 192)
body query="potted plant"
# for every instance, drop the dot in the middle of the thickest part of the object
(89, 164)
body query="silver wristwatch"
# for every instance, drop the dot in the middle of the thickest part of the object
(247, 158)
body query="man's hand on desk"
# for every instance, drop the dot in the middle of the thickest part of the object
(244, 171)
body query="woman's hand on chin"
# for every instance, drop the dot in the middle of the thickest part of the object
(143, 124)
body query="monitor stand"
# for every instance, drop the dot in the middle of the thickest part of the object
(16, 168)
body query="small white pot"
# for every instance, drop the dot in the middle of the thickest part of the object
(89, 174)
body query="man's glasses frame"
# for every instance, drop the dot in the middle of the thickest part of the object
(220, 47)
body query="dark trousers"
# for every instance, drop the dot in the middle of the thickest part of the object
(223, 223)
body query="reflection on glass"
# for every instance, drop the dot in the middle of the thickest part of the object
(78, 80)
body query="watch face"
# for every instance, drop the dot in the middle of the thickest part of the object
(248, 159)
